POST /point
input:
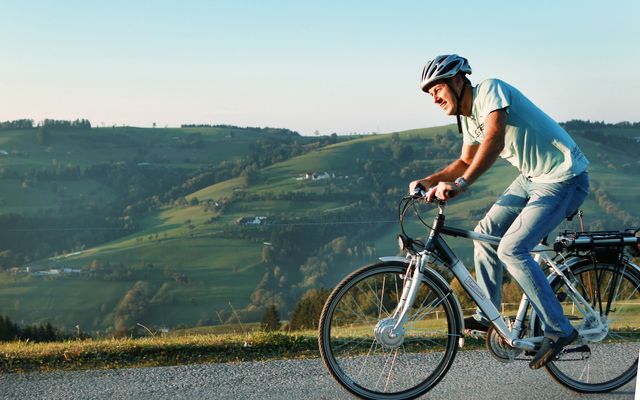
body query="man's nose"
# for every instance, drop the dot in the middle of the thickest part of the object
(436, 99)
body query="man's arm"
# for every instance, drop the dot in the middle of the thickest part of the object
(451, 171)
(485, 155)
(491, 147)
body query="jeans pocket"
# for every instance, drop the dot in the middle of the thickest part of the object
(579, 194)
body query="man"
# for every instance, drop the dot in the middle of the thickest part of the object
(495, 119)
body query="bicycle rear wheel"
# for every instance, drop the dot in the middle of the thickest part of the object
(373, 365)
(612, 358)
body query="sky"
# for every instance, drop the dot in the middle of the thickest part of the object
(310, 66)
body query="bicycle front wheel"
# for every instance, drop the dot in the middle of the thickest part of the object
(360, 354)
(610, 359)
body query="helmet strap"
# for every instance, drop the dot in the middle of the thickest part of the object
(459, 98)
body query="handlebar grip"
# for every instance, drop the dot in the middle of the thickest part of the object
(450, 194)
(419, 190)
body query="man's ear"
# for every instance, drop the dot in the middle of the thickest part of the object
(458, 81)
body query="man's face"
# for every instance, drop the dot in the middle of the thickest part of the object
(443, 97)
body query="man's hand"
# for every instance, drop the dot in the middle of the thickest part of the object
(444, 191)
(426, 183)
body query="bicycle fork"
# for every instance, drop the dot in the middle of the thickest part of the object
(391, 330)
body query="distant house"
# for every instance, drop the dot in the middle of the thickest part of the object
(52, 271)
(316, 176)
(251, 220)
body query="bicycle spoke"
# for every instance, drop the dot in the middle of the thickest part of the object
(422, 313)
(361, 313)
(373, 345)
(393, 363)
(379, 300)
(384, 279)
(356, 343)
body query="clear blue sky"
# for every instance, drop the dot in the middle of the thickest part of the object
(332, 66)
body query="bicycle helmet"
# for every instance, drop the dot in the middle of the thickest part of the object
(443, 68)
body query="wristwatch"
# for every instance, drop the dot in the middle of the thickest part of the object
(462, 184)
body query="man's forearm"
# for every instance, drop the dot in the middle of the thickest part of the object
(450, 172)
(485, 157)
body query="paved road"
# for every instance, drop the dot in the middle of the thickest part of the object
(474, 375)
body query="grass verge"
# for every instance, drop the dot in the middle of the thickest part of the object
(160, 351)
(154, 351)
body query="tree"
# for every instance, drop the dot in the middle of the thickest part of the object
(395, 138)
(251, 174)
(270, 319)
(306, 313)
(43, 136)
(132, 306)
(267, 254)
(8, 330)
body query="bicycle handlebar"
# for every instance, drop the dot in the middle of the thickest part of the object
(422, 192)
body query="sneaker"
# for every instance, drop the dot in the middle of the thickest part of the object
(472, 324)
(550, 349)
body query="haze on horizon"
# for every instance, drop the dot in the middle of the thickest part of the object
(308, 66)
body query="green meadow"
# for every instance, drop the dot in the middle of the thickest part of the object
(198, 264)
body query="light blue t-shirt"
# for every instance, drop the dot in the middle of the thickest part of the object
(534, 143)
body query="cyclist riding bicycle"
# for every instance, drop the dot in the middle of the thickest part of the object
(495, 119)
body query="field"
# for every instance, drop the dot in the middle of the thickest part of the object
(199, 264)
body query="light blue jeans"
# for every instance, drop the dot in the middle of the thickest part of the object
(523, 215)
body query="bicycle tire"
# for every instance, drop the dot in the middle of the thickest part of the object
(348, 342)
(612, 360)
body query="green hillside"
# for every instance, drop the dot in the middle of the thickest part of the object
(44, 175)
(189, 261)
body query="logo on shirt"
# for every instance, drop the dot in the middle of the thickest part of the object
(479, 132)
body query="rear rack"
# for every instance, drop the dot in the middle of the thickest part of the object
(571, 240)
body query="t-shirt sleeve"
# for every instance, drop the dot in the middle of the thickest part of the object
(494, 95)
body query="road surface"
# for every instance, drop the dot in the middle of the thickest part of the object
(474, 375)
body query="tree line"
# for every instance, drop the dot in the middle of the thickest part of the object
(79, 123)
(581, 124)
(10, 331)
(232, 128)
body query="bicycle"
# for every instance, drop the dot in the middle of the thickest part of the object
(391, 330)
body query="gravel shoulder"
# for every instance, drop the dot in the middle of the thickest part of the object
(474, 374)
